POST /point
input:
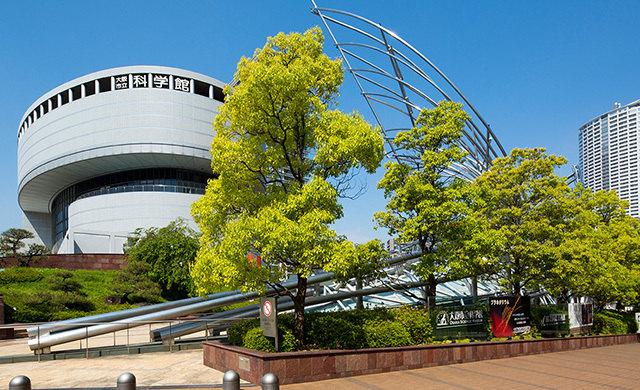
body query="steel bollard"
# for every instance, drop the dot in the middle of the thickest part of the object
(126, 381)
(20, 382)
(270, 381)
(231, 380)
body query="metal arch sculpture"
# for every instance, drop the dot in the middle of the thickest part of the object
(397, 84)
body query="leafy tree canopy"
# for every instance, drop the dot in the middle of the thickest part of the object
(12, 244)
(170, 253)
(284, 155)
(425, 205)
(521, 210)
(599, 253)
(134, 283)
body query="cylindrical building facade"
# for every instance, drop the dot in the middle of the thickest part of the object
(113, 151)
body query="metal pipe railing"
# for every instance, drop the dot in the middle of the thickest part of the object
(42, 341)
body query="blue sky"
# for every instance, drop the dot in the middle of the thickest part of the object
(536, 71)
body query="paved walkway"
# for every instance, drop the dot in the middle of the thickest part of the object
(615, 367)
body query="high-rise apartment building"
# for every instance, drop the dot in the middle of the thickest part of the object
(609, 153)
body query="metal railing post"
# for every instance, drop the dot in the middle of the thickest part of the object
(127, 338)
(39, 351)
(86, 335)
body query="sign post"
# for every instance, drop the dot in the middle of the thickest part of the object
(269, 318)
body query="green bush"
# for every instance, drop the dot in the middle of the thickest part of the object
(255, 339)
(73, 302)
(417, 323)
(27, 314)
(343, 329)
(386, 334)
(613, 322)
(237, 332)
(238, 336)
(19, 275)
(335, 332)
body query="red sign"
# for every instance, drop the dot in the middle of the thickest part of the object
(267, 308)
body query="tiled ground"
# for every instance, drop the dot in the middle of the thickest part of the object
(614, 367)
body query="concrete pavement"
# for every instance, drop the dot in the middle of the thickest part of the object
(614, 367)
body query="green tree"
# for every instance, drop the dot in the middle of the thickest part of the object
(425, 205)
(599, 253)
(284, 156)
(134, 283)
(62, 280)
(12, 243)
(34, 254)
(521, 215)
(170, 252)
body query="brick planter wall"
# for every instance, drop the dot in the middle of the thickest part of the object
(296, 367)
(71, 262)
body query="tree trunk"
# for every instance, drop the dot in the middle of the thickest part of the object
(298, 307)
(430, 291)
(359, 300)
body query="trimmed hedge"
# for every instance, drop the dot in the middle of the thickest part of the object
(380, 334)
(341, 330)
(19, 275)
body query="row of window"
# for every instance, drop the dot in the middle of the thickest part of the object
(139, 180)
(122, 82)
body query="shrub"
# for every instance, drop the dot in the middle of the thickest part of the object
(255, 339)
(417, 323)
(386, 334)
(73, 302)
(334, 332)
(19, 275)
(27, 314)
(238, 336)
(287, 341)
(237, 332)
(612, 322)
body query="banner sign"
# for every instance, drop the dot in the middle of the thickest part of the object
(580, 315)
(268, 317)
(510, 316)
(460, 323)
(637, 320)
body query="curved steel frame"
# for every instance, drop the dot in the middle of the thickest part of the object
(400, 86)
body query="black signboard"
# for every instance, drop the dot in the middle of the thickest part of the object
(181, 84)
(554, 323)
(510, 315)
(140, 80)
(161, 81)
(122, 81)
(461, 322)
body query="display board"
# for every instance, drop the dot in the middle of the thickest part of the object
(510, 315)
